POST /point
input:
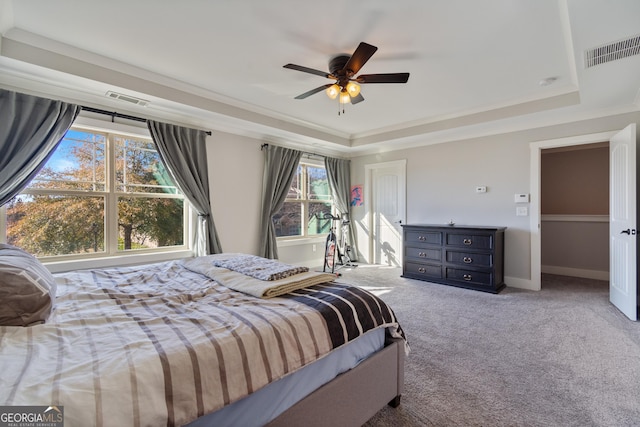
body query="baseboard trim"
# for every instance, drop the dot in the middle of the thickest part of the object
(516, 282)
(576, 272)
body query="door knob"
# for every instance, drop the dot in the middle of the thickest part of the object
(629, 231)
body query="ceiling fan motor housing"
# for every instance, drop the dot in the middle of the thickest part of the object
(336, 68)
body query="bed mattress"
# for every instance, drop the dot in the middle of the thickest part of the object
(164, 345)
(270, 401)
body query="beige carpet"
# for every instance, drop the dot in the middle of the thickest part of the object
(563, 356)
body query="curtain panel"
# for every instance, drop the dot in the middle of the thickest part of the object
(339, 177)
(280, 165)
(184, 153)
(30, 130)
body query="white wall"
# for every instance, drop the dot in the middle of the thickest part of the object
(235, 175)
(303, 253)
(441, 181)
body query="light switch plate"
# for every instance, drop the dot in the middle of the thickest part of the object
(521, 198)
(481, 189)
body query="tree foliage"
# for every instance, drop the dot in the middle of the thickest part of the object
(46, 222)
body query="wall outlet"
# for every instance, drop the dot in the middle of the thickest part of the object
(313, 247)
(522, 211)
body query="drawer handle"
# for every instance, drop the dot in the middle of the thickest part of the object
(421, 270)
(467, 277)
(467, 260)
(422, 254)
(467, 242)
(422, 238)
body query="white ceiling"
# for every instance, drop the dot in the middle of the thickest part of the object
(475, 65)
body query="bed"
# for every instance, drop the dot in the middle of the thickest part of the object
(197, 342)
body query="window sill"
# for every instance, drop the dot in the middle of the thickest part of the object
(115, 261)
(283, 241)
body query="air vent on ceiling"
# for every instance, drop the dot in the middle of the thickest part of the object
(127, 98)
(612, 51)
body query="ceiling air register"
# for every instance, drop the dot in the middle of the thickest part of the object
(612, 51)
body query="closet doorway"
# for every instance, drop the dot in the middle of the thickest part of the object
(574, 210)
(623, 286)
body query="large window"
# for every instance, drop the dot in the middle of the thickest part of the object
(99, 194)
(306, 203)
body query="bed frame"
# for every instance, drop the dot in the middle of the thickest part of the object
(355, 396)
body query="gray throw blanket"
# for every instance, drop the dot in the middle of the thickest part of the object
(255, 266)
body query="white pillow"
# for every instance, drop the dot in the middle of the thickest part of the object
(27, 288)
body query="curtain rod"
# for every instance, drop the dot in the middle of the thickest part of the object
(265, 145)
(114, 114)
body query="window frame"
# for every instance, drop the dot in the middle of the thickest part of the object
(305, 237)
(111, 256)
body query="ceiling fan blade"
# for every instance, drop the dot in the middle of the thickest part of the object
(312, 91)
(362, 54)
(356, 99)
(308, 70)
(383, 78)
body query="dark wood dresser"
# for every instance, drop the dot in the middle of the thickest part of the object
(465, 256)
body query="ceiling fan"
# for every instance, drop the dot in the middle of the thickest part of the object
(343, 69)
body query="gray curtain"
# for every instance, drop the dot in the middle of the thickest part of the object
(30, 130)
(184, 153)
(339, 176)
(280, 165)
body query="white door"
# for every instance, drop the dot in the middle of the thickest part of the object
(388, 193)
(622, 226)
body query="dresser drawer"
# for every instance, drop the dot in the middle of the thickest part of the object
(422, 271)
(423, 253)
(424, 237)
(469, 276)
(475, 241)
(472, 259)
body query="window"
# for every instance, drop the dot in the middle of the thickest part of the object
(99, 194)
(306, 203)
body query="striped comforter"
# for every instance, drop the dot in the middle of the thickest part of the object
(163, 345)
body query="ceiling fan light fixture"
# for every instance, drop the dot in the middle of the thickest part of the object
(353, 89)
(344, 97)
(333, 91)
